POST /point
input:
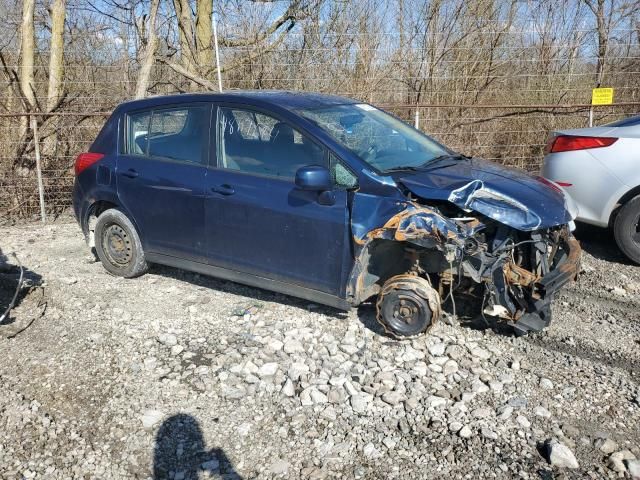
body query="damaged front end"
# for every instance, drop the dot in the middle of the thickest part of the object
(520, 271)
(464, 247)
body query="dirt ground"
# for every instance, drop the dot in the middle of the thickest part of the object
(177, 375)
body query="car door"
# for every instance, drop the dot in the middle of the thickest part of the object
(257, 221)
(161, 177)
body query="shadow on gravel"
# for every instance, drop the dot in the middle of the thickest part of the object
(587, 352)
(467, 308)
(600, 243)
(180, 452)
(16, 283)
(257, 294)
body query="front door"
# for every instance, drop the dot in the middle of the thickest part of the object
(162, 176)
(257, 221)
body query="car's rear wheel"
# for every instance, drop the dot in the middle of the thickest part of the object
(118, 245)
(626, 229)
(407, 306)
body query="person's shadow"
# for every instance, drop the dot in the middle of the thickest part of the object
(180, 453)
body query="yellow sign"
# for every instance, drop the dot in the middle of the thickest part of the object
(602, 96)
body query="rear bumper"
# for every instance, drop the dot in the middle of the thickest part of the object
(592, 188)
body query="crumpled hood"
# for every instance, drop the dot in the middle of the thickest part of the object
(507, 195)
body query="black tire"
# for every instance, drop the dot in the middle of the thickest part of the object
(118, 245)
(626, 229)
(407, 306)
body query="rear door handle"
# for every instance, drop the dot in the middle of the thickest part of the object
(131, 173)
(223, 189)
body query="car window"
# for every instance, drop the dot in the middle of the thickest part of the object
(379, 139)
(257, 143)
(138, 128)
(342, 176)
(179, 134)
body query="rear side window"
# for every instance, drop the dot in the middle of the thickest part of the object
(179, 134)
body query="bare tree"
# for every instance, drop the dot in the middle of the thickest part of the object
(55, 93)
(148, 56)
(27, 61)
(56, 54)
(204, 34)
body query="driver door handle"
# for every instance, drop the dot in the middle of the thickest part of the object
(223, 189)
(131, 173)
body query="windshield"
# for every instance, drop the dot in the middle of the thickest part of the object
(381, 140)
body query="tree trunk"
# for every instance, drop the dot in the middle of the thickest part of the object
(56, 70)
(27, 59)
(27, 53)
(56, 55)
(148, 58)
(185, 28)
(204, 33)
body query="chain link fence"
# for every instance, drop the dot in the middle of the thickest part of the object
(490, 78)
(513, 135)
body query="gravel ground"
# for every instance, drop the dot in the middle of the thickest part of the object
(177, 375)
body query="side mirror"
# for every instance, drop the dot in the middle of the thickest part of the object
(314, 178)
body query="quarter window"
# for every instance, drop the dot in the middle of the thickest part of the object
(342, 176)
(257, 143)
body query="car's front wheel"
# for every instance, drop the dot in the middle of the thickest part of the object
(407, 306)
(626, 229)
(118, 245)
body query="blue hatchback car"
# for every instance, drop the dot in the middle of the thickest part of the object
(323, 198)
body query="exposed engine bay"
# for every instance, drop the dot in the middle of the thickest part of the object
(513, 273)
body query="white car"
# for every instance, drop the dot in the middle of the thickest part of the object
(599, 168)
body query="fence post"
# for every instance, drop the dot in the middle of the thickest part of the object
(416, 121)
(36, 144)
(215, 41)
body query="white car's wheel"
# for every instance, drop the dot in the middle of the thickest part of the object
(627, 229)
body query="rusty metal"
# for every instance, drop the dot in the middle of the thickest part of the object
(572, 263)
(420, 286)
(515, 274)
(416, 222)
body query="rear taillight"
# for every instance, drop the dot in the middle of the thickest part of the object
(85, 160)
(568, 143)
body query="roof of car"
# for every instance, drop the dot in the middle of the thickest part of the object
(291, 100)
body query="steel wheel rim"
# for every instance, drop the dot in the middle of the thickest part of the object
(117, 245)
(406, 313)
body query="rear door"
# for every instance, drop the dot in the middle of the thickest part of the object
(161, 177)
(257, 221)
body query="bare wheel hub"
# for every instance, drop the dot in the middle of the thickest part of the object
(406, 311)
(117, 245)
(407, 305)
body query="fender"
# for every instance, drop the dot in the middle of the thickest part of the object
(626, 192)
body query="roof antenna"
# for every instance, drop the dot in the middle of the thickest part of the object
(215, 41)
